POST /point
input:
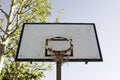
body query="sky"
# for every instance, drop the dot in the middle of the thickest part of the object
(106, 16)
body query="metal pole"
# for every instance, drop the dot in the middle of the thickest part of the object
(58, 68)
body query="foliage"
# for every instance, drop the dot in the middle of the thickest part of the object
(20, 71)
(23, 71)
(21, 11)
(58, 18)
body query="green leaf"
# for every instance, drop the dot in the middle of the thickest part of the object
(58, 20)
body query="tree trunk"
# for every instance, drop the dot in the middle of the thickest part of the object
(2, 58)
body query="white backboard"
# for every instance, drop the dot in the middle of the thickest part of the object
(34, 35)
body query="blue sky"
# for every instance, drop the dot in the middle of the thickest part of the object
(106, 15)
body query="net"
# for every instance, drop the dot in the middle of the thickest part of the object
(58, 55)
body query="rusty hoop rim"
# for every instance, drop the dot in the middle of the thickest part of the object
(59, 51)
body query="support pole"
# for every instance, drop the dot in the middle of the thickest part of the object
(58, 68)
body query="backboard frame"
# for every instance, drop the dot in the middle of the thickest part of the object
(51, 60)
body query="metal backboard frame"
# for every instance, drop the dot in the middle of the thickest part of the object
(39, 28)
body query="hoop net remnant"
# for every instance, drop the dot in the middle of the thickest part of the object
(58, 55)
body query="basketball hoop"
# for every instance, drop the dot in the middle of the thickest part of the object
(58, 55)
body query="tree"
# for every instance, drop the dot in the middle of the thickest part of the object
(20, 11)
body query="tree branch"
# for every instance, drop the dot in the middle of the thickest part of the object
(9, 16)
(2, 30)
(13, 18)
(17, 27)
(24, 11)
(12, 32)
(11, 7)
(1, 37)
(4, 12)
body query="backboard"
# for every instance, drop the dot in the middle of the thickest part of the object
(59, 36)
